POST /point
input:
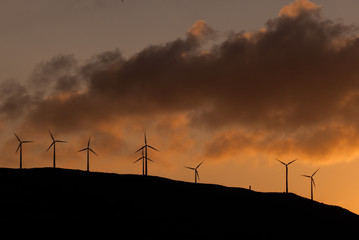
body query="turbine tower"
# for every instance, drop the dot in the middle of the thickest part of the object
(312, 183)
(286, 172)
(196, 175)
(88, 149)
(143, 162)
(145, 148)
(54, 141)
(20, 147)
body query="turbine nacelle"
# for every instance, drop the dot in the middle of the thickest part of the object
(312, 183)
(286, 164)
(311, 177)
(20, 142)
(20, 147)
(196, 174)
(54, 141)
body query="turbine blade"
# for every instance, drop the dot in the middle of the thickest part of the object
(153, 148)
(190, 168)
(27, 141)
(50, 145)
(280, 161)
(150, 159)
(138, 159)
(315, 172)
(199, 164)
(93, 151)
(313, 182)
(306, 176)
(60, 141)
(83, 149)
(197, 174)
(17, 137)
(18, 147)
(52, 137)
(145, 139)
(292, 161)
(88, 144)
(140, 149)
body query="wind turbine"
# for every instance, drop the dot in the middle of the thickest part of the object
(143, 162)
(196, 175)
(20, 147)
(286, 172)
(145, 147)
(54, 141)
(88, 149)
(311, 183)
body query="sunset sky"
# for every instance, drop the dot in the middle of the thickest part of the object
(235, 83)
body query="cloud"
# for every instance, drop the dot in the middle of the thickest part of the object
(14, 99)
(299, 7)
(289, 88)
(201, 31)
(56, 75)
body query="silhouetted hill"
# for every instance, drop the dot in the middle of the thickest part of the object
(63, 201)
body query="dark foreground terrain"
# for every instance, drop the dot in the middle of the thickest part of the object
(64, 202)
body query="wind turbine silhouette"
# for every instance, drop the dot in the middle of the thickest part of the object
(286, 172)
(20, 147)
(54, 141)
(145, 148)
(88, 149)
(143, 162)
(311, 183)
(196, 175)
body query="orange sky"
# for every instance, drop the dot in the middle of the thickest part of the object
(286, 90)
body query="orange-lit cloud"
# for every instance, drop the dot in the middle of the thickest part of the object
(287, 89)
(201, 30)
(299, 7)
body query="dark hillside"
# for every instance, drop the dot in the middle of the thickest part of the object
(62, 200)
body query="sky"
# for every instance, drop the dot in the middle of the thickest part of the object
(237, 84)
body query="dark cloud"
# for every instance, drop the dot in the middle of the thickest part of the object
(14, 100)
(296, 80)
(101, 62)
(56, 75)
